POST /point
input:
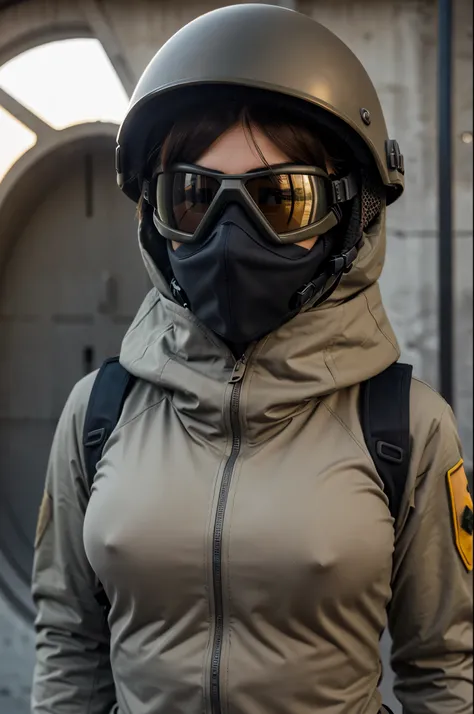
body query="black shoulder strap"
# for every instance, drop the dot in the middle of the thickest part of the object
(385, 417)
(111, 388)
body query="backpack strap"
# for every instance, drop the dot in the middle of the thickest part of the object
(111, 388)
(385, 419)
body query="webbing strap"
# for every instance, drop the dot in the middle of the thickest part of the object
(385, 417)
(111, 388)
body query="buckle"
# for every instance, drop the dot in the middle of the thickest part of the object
(305, 293)
(395, 160)
(95, 438)
(390, 452)
(342, 263)
(343, 189)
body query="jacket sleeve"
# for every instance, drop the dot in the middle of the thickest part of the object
(430, 615)
(72, 673)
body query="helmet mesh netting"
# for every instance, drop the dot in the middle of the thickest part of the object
(372, 198)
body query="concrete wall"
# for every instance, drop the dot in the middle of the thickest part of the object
(396, 41)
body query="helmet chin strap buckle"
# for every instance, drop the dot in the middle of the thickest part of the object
(309, 291)
(342, 263)
(338, 265)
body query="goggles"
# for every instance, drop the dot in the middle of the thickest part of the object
(289, 203)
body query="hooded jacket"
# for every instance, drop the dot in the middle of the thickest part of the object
(241, 532)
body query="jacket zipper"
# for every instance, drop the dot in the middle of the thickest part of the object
(236, 381)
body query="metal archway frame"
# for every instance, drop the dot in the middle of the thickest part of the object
(42, 36)
(89, 22)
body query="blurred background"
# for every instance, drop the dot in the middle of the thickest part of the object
(71, 276)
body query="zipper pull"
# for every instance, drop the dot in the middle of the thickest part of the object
(238, 371)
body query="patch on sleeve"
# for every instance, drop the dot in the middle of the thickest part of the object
(461, 512)
(44, 517)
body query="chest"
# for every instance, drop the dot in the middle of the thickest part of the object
(301, 516)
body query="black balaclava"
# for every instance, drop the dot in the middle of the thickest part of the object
(238, 283)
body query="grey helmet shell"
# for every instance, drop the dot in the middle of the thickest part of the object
(265, 47)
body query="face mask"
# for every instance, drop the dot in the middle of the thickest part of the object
(238, 284)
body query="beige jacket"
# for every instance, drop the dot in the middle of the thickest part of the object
(241, 532)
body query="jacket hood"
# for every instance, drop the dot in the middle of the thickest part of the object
(341, 343)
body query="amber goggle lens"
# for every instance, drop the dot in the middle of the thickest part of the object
(287, 201)
(183, 199)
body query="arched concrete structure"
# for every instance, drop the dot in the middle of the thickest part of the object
(58, 200)
(31, 177)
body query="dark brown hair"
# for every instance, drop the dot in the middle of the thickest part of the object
(204, 122)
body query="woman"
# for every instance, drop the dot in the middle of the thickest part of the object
(237, 523)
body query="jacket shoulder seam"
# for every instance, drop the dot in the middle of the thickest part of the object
(430, 387)
(379, 327)
(154, 301)
(348, 431)
(140, 413)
